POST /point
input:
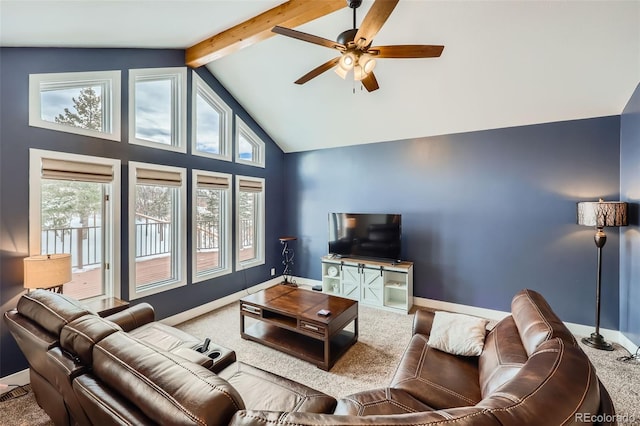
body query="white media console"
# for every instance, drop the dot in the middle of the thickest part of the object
(387, 285)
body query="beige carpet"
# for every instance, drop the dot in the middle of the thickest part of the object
(370, 363)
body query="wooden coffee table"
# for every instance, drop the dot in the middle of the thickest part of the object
(288, 320)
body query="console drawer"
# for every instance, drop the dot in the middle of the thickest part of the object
(311, 327)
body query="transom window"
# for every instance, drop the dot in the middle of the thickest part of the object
(250, 220)
(157, 108)
(211, 128)
(85, 103)
(211, 225)
(157, 228)
(249, 147)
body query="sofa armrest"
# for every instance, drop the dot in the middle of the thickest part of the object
(422, 322)
(194, 356)
(134, 316)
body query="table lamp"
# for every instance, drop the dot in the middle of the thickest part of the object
(600, 214)
(49, 271)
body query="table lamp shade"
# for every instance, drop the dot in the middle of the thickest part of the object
(47, 270)
(602, 213)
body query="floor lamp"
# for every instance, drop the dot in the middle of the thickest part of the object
(600, 214)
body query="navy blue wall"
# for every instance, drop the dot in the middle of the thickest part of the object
(484, 214)
(16, 137)
(630, 238)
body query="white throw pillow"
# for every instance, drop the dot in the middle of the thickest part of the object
(458, 334)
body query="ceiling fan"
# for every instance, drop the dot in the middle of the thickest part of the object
(355, 48)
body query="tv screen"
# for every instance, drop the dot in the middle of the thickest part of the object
(366, 235)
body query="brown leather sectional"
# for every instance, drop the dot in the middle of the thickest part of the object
(128, 369)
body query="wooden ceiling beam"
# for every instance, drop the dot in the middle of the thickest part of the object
(289, 14)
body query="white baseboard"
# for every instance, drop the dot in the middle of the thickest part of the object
(20, 378)
(218, 303)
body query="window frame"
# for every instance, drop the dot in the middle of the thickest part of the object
(242, 129)
(111, 100)
(180, 226)
(112, 238)
(178, 77)
(260, 225)
(226, 242)
(201, 88)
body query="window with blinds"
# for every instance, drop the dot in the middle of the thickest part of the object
(211, 225)
(157, 228)
(74, 208)
(250, 221)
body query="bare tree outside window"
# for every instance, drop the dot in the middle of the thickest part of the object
(88, 113)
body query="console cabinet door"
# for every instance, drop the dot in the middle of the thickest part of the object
(351, 282)
(372, 287)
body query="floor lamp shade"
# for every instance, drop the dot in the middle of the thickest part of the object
(600, 214)
(46, 271)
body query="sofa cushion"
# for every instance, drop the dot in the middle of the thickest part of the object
(379, 401)
(162, 385)
(436, 378)
(536, 321)
(79, 336)
(262, 390)
(457, 334)
(50, 310)
(503, 356)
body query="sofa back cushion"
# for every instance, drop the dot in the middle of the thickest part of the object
(557, 382)
(50, 310)
(536, 322)
(503, 356)
(161, 385)
(80, 335)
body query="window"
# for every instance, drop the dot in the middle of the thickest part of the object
(157, 228)
(211, 225)
(211, 128)
(74, 207)
(249, 147)
(85, 103)
(249, 222)
(158, 108)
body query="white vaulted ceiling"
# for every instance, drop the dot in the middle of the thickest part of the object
(505, 63)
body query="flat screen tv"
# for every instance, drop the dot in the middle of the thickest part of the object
(365, 235)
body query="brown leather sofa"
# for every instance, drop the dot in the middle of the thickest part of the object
(531, 372)
(129, 369)
(89, 370)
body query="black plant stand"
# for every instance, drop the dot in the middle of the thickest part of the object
(287, 260)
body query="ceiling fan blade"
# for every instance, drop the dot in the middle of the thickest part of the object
(308, 38)
(373, 21)
(370, 83)
(318, 70)
(406, 51)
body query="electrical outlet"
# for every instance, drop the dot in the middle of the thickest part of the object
(273, 272)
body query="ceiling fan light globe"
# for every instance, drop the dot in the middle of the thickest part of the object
(347, 61)
(341, 72)
(358, 73)
(367, 63)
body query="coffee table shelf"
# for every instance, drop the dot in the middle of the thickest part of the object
(287, 319)
(301, 346)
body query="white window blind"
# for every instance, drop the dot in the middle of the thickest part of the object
(250, 185)
(157, 177)
(76, 170)
(212, 182)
